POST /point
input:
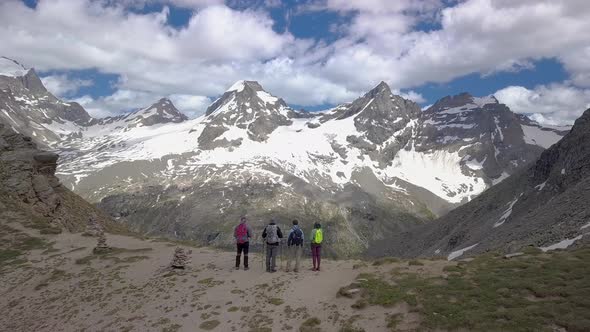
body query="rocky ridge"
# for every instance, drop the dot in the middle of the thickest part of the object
(544, 206)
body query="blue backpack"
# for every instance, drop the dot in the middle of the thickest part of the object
(297, 237)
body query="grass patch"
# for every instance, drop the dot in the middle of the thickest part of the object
(8, 256)
(276, 301)
(385, 260)
(415, 263)
(209, 325)
(55, 276)
(533, 292)
(310, 325)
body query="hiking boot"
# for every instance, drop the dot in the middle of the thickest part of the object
(273, 271)
(246, 268)
(237, 267)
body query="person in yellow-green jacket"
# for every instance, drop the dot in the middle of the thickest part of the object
(317, 236)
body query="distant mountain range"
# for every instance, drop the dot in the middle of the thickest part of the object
(367, 169)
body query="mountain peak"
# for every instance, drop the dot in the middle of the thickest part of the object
(249, 94)
(381, 89)
(239, 86)
(463, 99)
(162, 111)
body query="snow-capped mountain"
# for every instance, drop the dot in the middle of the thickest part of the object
(544, 205)
(371, 167)
(27, 107)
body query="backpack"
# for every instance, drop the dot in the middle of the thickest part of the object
(271, 234)
(318, 236)
(297, 237)
(242, 233)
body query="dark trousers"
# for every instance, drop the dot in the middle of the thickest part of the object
(272, 251)
(242, 247)
(316, 255)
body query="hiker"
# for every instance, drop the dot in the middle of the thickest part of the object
(317, 236)
(273, 235)
(242, 234)
(294, 246)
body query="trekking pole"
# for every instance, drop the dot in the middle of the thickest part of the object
(281, 252)
(262, 254)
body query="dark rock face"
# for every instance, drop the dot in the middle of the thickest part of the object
(539, 206)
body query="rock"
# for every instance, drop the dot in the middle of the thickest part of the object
(180, 259)
(48, 199)
(93, 228)
(101, 244)
(351, 292)
(516, 254)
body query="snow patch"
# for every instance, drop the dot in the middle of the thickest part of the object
(536, 136)
(459, 253)
(507, 213)
(585, 226)
(541, 186)
(237, 87)
(561, 245)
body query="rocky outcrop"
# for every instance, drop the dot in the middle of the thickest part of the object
(27, 179)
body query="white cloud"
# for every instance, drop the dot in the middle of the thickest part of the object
(192, 106)
(220, 45)
(548, 104)
(63, 86)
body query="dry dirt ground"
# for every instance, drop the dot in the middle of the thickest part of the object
(64, 287)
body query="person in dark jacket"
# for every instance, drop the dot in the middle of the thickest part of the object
(242, 234)
(272, 235)
(294, 246)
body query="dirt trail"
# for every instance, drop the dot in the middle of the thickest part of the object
(67, 288)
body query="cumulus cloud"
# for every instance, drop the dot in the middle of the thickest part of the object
(554, 104)
(64, 86)
(220, 45)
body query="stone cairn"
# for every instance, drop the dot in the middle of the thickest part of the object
(180, 258)
(101, 244)
(93, 228)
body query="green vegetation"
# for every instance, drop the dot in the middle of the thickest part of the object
(14, 244)
(310, 325)
(55, 276)
(415, 262)
(533, 292)
(385, 260)
(276, 301)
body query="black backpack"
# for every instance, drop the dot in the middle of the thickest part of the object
(297, 237)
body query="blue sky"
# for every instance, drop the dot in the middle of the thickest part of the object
(113, 56)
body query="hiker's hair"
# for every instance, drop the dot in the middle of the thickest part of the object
(317, 225)
(243, 218)
(295, 222)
